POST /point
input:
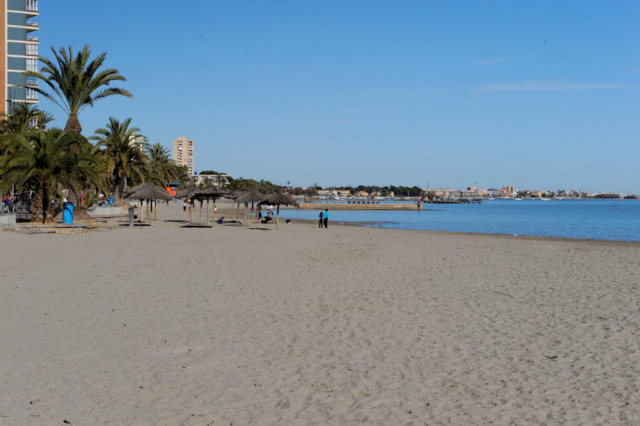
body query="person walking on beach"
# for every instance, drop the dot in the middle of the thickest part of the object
(320, 219)
(326, 218)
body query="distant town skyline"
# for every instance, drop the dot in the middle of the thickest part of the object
(538, 95)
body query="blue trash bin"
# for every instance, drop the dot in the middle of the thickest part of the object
(67, 212)
(110, 200)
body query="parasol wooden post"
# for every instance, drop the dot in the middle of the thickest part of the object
(214, 212)
(207, 211)
(277, 215)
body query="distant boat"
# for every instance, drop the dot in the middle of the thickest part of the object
(518, 199)
(545, 199)
(559, 198)
(631, 197)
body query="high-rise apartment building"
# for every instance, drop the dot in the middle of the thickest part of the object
(18, 52)
(183, 153)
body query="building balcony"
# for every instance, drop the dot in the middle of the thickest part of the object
(32, 95)
(32, 50)
(32, 25)
(32, 37)
(32, 8)
(33, 82)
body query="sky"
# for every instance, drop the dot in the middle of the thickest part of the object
(540, 95)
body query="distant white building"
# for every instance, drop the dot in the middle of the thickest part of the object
(216, 180)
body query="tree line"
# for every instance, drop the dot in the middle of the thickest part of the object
(48, 160)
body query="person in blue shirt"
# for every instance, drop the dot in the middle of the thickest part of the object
(326, 218)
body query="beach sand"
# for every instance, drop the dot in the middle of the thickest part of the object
(170, 325)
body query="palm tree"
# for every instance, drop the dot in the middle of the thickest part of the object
(124, 155)
(24, 117)
(76, 83)
(41, 160)
(160, 168)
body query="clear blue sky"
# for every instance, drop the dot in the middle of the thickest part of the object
(535, 94)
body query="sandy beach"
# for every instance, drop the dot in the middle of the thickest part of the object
(175, 325)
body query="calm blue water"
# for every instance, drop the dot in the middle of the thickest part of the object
(617, 220)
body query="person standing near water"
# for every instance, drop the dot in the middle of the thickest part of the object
(320, 219)
(326, 218)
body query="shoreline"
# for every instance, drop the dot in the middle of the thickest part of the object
(509, 236)
(225, 209)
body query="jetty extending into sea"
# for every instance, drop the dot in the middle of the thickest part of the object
(363, 206)
(377, 205)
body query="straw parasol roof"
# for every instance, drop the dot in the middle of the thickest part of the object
(207, 193)
(135, 189)
(151, 192)
(234, 193)
(278, 198)
(250, 197)
(148, 192)
(247, 197)
(185, 193)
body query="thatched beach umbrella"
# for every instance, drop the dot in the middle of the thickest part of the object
(142, 186)
(208, 193)
(149, 193)
(247, 197)
(146, 185)
(278, 199)
(137, 188)
(186, 193)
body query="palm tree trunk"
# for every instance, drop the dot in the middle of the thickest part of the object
(46, 205)
(125, 184)
(42, 210)
(73, 124)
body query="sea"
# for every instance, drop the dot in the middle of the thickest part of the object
(600, 219)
